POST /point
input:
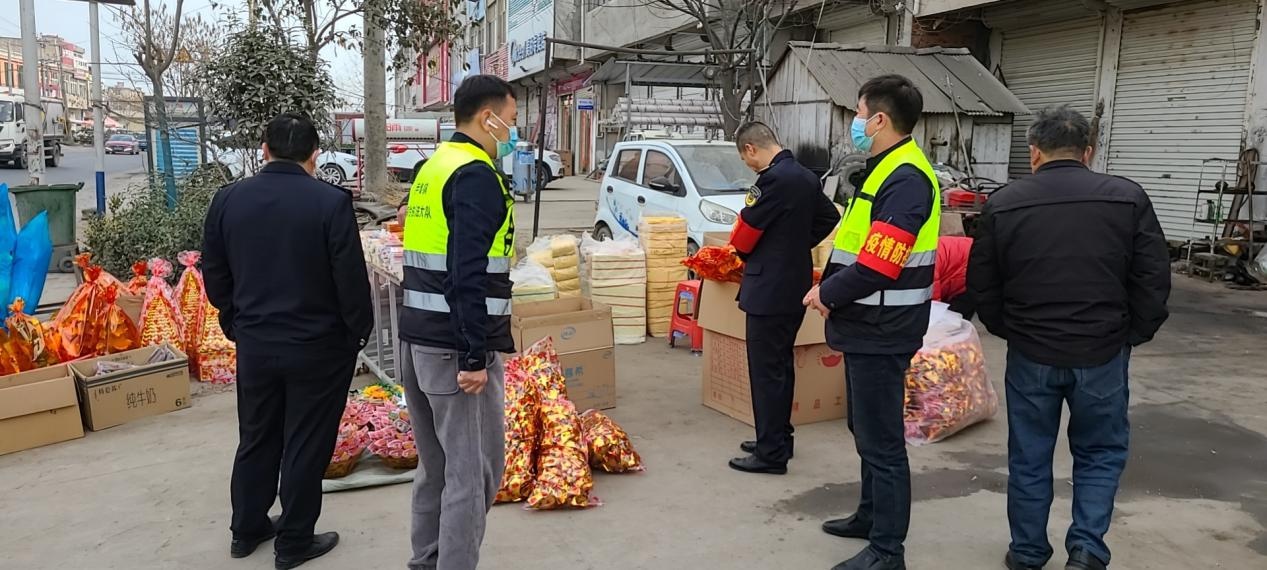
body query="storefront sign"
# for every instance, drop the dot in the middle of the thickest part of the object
(585, 104)
(528, 23)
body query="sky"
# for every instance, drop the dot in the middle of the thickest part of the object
(69, 19)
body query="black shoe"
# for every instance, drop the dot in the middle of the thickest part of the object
(754, 464)
(321, 544)
(849, 527)
(750, 447)
(1012, 564)
(1083, 560)
(869, 559)
(241, 548)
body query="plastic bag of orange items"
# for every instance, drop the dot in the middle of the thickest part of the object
(191, 300)
(119, 333)
(79, 321)
(563, 477)
(716, 263)
(609, 445)
(136, 285)
(217, 355)
(947, 388)
(160, 319)
(26, 344)
(521, 434)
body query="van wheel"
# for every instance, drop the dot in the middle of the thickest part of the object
(602, 232)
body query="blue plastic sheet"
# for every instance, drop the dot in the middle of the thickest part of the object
(8, 238)
(31, 254)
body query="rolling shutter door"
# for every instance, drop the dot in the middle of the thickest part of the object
(1051, 64)
(845, 24)
(1181, 92)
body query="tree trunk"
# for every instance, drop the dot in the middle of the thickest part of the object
(731, 103)
(374, 165)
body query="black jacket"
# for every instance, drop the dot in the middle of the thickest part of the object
(282, 262)
(789, 207)
(905, 200)
(1070, 265)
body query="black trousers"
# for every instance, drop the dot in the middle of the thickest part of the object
(772, 375)
(288, 418)
(875, 389)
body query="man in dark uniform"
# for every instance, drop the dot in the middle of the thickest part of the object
(877, 291)
(786, 216)
(282, 262)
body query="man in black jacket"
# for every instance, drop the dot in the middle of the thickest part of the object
(1071, 268)
(787, 214)
(282, 262)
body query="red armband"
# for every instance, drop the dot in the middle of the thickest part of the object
(744, 237)
(886, 249)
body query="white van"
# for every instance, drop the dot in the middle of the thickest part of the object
(703, 181)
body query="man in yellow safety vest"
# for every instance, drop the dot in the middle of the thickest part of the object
(876, 293)
(459, 239)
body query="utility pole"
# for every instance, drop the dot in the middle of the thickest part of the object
(33, 112)
(61, 83)
(98, 116)
(374, 167)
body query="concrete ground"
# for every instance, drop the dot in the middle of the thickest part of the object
(154, 493)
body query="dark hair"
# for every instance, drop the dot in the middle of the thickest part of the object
(755, 133)
(1060, 129)
(477, 92)
(896, 97)
(291, 136)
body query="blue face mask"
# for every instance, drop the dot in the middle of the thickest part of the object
(505, 148)
(858, 132)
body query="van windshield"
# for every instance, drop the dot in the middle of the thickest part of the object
(6, 111)
(716, 169)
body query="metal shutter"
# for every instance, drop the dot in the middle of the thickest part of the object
(1181, 92)
(846, 24)
(1050, 64)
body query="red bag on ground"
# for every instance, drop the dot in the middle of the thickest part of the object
(191, 301)
(160, 318)
(564, 478)
(521, 434)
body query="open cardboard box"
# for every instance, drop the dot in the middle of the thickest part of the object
(38, 407)
(583, 337)
(119, 397)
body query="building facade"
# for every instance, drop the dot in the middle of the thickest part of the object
(64, 73)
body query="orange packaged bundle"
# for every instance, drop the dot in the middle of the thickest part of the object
(191, 300)
(26, 345)
(119, 333)
(160, 318)
(608, 444)
(79, 321)
(716, 263)
(563, 477)
(217, 355)
(136, 285)
(521, 434)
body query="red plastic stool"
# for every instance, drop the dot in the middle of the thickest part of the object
(686, 315)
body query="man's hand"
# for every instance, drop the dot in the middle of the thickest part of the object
(400, 213)
(472, 382)
(814, 301)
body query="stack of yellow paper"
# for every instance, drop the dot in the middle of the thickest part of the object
(616, 276)
(664, 240)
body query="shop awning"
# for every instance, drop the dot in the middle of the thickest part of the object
(653, 73)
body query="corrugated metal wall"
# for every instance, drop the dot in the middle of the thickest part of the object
(1181, 92)
(1053, 63)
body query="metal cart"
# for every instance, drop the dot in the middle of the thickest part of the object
(379, 354)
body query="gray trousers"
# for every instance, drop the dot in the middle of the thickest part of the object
(461, 457)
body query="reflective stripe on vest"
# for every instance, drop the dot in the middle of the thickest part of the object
(856, 224)
(439, 262)
(436, 303)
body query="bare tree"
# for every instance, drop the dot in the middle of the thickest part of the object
(409, 24)
(154, 47)
(740, 32)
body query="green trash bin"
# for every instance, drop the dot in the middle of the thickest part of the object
(59, 201)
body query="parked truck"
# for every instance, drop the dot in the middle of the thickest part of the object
(13, 133)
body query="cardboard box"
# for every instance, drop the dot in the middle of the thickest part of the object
(820, 380)
(113, 399)
(37, 408)
(583, 337)
(719, 312)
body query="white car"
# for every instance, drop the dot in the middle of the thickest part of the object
(552, 162)
(703, 181)
(334, 167)
(404, 160)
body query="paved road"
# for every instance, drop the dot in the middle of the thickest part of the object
(77, 166)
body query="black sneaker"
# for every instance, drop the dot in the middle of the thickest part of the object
(241, 548)
(321, 544)
(1010, 562)
(1083, 560)
(850, 527)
